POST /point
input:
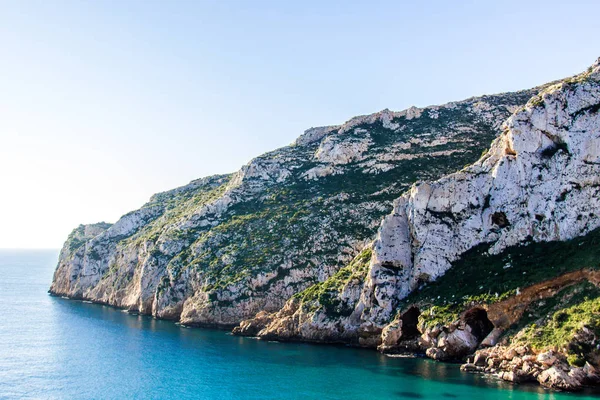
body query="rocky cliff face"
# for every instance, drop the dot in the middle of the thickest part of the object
(540, 181)
(450, 263)
(223, 248)
(325, 240)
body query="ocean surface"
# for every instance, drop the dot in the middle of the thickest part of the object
(61, 349)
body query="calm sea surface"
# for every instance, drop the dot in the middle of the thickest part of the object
(56, 348)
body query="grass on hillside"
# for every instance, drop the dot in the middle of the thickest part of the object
(479, 278)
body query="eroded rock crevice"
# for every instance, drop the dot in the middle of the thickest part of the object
(479, 323)
(409, 324)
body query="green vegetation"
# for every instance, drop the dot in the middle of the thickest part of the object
(560, 319)
(93, 255)
(439, 315)
(581, 78)
(477, 277)
(258, 234)
(77, 237)
(536, 101)
(480, 278)
(550, 323)
(177, 204)
(307, 224)
(326, 294)
(273, 227)
(433, 315)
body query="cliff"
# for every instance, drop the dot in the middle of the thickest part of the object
(356, 234)
(223, 248)
(468, 261)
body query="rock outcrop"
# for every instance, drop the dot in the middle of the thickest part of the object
(538, 183)
(519, 364)
(224, 248)
(496, 264)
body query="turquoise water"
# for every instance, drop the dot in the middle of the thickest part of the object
(56, 348)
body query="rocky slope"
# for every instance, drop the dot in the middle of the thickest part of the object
(453, 260)
(223, 248)
(495, 265)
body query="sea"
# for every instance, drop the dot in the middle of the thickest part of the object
(55, 348)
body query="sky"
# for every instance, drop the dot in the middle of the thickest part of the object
(104, 103)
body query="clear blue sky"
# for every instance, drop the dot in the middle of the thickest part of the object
(103, 103)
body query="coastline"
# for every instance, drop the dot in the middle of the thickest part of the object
(471, 364)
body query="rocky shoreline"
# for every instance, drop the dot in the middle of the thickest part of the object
(515, 364)
(473, 340)
(495, 266)
(497, 256)
(519, 365)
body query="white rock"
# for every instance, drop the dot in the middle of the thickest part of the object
(436, 222)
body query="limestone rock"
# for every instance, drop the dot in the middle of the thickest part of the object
(558, 378)
(547, 152)
(222, 249)
(492, 338)
(546, 358)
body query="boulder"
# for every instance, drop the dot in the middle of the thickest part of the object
(546, 358)
(560, 378)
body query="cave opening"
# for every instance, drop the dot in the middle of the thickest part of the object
(480, 324)
(410, 321)
(500, 219)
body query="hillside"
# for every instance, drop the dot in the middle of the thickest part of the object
(356, 234)
(501, 257)
(223, 248)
